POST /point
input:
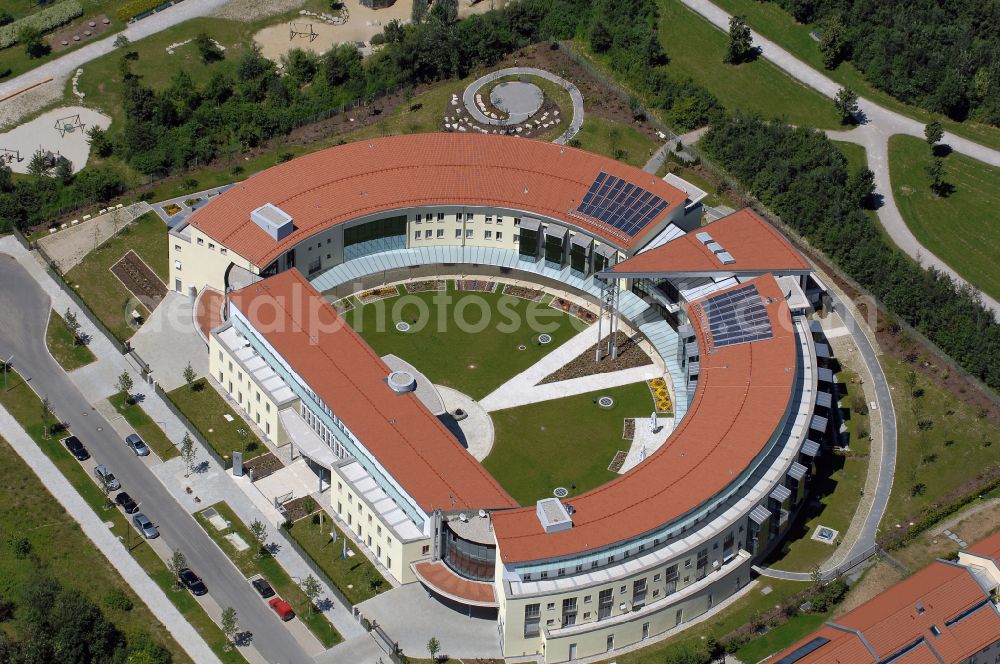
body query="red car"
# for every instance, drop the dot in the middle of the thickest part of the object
(282, 608)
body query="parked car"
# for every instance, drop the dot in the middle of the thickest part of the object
(76, 448)
(145, 526)
(137, 444)
(263, 587)
(107, 478)
(282, 608)
(192, 582)
(125, 502)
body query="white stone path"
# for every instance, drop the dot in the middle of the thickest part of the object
(524, 389)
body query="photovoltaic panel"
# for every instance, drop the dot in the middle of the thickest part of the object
(737, 316)
(621, 204)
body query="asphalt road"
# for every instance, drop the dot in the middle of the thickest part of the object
(25, 310)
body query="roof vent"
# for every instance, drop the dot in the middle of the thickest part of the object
(552, 515)
(482, 514)
(273, 220)
(463, 517)
(920, 608)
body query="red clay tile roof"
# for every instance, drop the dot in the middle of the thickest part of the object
(440, 579)
(754, 244)
(902, 617)
(209, 313)
(342, 183)
(988, 547)
(743, 394)
(410, 443)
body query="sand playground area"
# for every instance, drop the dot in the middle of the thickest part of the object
(62, 131)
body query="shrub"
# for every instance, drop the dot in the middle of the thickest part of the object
(131, 9)
(43, 21)
(117, 600)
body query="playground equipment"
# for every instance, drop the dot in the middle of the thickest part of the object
(296, 29)
(10, 156)
(69, 124)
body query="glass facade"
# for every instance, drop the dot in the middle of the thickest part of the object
(528, 246)
(469, 559)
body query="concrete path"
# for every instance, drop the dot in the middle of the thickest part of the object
(168, 341)
(646, 442)
(62, 67)
(477, 433)
(469, 98)
(109, 545)
(879, 123)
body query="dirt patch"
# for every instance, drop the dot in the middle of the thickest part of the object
(78, 32)
(263, 466)
(300, 507)
(880, 577)
(140, 280)
(630, 355)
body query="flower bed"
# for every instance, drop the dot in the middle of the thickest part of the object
(263, 466)
(140, 280)
(572, 309)
(618, 461)
(376, 294)
(661, 396)
(476, 285)
(298, 508)
(629, 432)
(530, 294)
(171, 209)
(427, 285)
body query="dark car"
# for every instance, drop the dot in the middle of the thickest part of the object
(125, 502)
(192, 582)
(137, 444)
(263, 587)
(282, 608)
(76, 448)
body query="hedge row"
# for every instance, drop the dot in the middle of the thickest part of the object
(131, 9)
(45, 20)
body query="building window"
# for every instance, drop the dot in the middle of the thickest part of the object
(177, 247)
(425, 550)
(440, 216)
(517, 221)
(550, 606)
(489, 235)
(440, 233)
(468, 232)
(532, 619)
(499, 221)
(417, 219)
(671, 579)
(517, 238)
(388, 561)
(223, 251)
(458, 232)
(201, 241)
(638, 593)
(605, 603)
(569, 611)
(499, 235)
(611, 642)
(211, 245)
(489, 219)
(428, 233)
(416, 235)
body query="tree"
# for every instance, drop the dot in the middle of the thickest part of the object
(189, 375)
(933, 132)
(301, 65)
(208, 49)
(600, 37)
(46, 414)
(31, 38)
(342, 64)
(433, 648)
(312, 588)
(861, 187)
(188, 454)
(230, 625)
(419, 11)
(833, 42)
(99, 141)
(39, 163)
(259, 532)
(73, 324)
(125, 386)
(122, 42)
(846, 103)
(740, 41)
(6, 178)
(937, 173)
(176, 563)
(99, 184)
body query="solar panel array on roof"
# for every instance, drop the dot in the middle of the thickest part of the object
(621, 204)
(737, 316)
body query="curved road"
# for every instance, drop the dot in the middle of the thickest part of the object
(469, 97)
(879, 123)
(27, 306)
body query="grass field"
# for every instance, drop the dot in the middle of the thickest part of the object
(63, 345)
(356, 577)
(615, 140)
(271, 569)
(467, 341)
(101, 290)
(774, 23)
(856, 155)
(781, 637)
(696, 49)
(566, 442)
(144, 425)
(206, 409)
(960, 228)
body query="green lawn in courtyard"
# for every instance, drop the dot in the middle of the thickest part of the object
(206, 409)
(616, 140)
(464, 340)
(102, 291)
(266, 565)
(69, 353)
(566, 442)
(781, 637)
(144, 425)
(959, 228)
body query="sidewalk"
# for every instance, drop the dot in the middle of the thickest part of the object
(92, 526)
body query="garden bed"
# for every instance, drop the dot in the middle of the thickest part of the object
(584, 314)
(476, 285)
(299, 508)
(630, 355)
(530, 294)
(618, 461)
(427, 285)
(263, 466)
(171, 209)
(661, 396)
(376, 294)
(344, 305)
(628, 433)
(140, 280)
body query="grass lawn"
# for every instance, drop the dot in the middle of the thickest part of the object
(466, 341)
(25, 407)
(275, 574)
(960, 228)
(616, 140)
(102, 291)
(565, 442)
(855, 154)
(781, 637)
(717, 192)
(206, 409)
(69, 353)
(942, 442)
(696, 49)
(147, 429)
(356, 577)
(771, 21)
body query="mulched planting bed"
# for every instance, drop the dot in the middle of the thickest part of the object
(424, 286)
(530, 294)
(618, 461)
(630, 355)
(263, 466)
(296, 509)
(476, 285)
(171, 209)
(629, 431)
(78, 29)
(376, 294)
(140, 280)
(573, 309)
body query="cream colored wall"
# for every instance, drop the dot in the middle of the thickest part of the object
(384, 546)
(991, 567)
(200, 262)
(500, 222)
(264, 412)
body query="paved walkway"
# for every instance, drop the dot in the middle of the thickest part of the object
(168, 341)
(879, 123)
(109, 545)
(469, 98)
